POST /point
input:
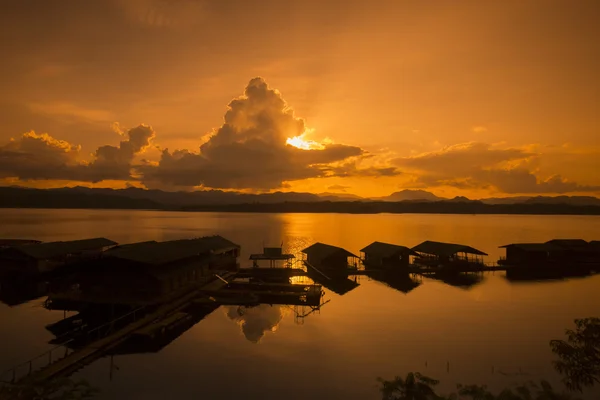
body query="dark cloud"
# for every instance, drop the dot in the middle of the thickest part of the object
(461, 159)
(250, 150)
(522, 181)
(338, 188)
(41, 157)
(482, 166)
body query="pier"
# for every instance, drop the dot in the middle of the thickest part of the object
(102, 339)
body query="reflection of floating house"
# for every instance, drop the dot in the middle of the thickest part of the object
(46, 257)
(15, 292)
(401, 282)
(332, 259)
(148, 272)
(462, 281)
(386, 256)
(340, 286)
(448, 255)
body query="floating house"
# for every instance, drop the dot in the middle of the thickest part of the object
(39, 258)
(386, 256)
(529, 253)
(274, 255)
(448, 256)
(149, 272)
(6, 243)
(561, 253)
(324, 257)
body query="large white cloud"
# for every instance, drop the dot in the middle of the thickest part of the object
(250, 150)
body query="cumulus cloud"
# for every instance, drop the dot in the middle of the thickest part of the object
(255, 321)
(485, 166)
(252, 150)
(41, 157)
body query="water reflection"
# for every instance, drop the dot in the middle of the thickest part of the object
(463, 281)
(517, 275)
(404, 283)
(256, 321)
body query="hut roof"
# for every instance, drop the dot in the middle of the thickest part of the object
(386, 249)
(322, 250)
(534, 247)
(569, 243)
(42, 251)
(157, 253)
(17, 242)
(445, 249)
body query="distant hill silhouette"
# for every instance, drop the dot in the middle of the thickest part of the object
(408, 201)
(410, 195)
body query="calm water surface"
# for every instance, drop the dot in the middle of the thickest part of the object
(495, 332)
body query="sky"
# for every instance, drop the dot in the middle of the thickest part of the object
(472, 98)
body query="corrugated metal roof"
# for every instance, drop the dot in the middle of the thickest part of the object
(157, 253)
(386, 250)
(43, 251)
(17, 242)
(534, 247)
(322, 250)
(445, 249)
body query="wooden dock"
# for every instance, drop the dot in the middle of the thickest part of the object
(76, 360)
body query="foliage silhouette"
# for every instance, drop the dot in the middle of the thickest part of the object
(414, 387)
(579, 355)
(418, 387)
(56, 389)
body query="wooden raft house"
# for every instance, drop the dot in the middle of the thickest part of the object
(386, 256)
(40, 258)
(563, 254)
(329, 260)
(147, 273)
(274, 255)
(448, 257)
(7, 243)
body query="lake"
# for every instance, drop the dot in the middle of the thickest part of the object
(495, 332)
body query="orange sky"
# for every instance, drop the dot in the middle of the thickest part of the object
(468, 98)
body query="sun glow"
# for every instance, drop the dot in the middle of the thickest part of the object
(301, 143)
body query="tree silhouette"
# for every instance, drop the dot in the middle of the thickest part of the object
(414, 387)
(418, 387)
(579, 355)
(56, 389)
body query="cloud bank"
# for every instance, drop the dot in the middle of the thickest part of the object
(41, 157)
(485, 166)
(262, 145)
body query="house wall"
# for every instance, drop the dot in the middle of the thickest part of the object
(225, 261)
(313, 259)
(335, 261)
(397, 260)
(518, 255)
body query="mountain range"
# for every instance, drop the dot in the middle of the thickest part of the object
(141, 198)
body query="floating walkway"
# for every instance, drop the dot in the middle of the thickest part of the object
(76, 360)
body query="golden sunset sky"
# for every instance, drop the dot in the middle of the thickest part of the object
(474, 98)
